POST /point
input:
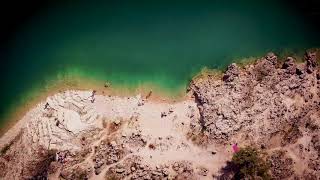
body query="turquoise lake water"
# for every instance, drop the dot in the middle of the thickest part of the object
(129, 43)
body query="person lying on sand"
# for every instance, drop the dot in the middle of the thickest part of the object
(46, 105)
(92, 96)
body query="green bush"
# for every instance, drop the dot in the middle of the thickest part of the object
(249, 164)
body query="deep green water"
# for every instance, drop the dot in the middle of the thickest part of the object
(129, 43)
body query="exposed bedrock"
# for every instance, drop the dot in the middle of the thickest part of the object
(267, 104)
(260, 97)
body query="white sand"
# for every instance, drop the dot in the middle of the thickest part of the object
(75, 113)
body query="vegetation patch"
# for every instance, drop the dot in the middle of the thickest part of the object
(247, 163)
(250, 164)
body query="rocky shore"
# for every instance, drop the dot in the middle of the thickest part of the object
(272, 105)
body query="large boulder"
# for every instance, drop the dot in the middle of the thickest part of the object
(264, 68)
(311, 59)
(231, 73)
(272, 58)
(289, 65)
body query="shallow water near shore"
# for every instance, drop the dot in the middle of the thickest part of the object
(129, 44)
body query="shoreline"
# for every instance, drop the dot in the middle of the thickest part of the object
(14, 119)
(11, 130)
(108, 132)
(74, 82)
(18, 111)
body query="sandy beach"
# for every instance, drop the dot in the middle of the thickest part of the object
(141, 125)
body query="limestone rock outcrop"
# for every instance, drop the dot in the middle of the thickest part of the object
(266, 107)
